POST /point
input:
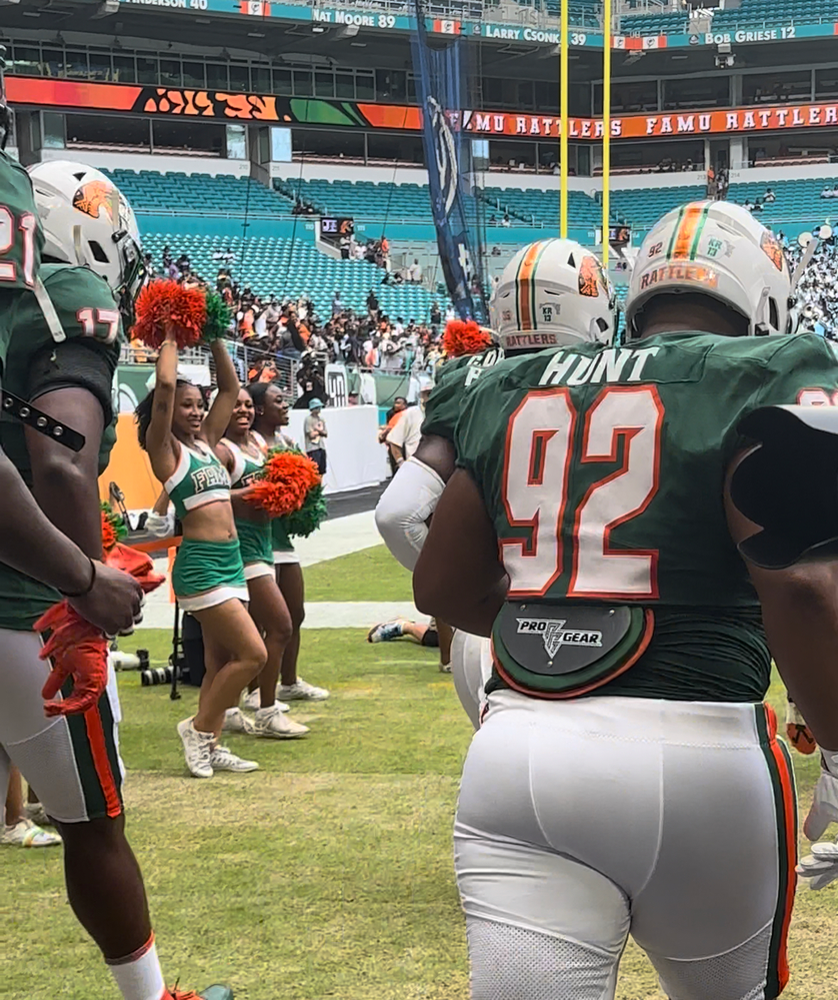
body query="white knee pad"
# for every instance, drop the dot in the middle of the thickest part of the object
(512, 963)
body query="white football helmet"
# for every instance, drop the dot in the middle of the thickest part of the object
(87, 221)
(719, 249)
(553, 292)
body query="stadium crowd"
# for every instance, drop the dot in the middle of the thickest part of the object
(817, 292)
(279, 328)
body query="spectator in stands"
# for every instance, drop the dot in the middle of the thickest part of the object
(436, 317)
(769, 197)
(415, 272)
(315, 433)
(337, 305)
(372, 305)
(712, 187)
(505, 221)
(311, 381)
(317, 342)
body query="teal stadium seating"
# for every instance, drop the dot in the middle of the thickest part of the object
(278, 266)
(291, 268)
(367, 199)
(751, 13)
(150, 191)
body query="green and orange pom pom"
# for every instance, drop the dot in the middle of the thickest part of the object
(217, 325)
(310, 516)
(284, 483)
(164, 306)
(113, 527)
(464, 337)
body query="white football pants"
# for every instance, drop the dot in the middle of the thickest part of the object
(581, 822)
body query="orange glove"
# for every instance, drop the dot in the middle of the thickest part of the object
(138, 564)
(80, 650)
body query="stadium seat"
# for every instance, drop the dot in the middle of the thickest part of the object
(290, 268)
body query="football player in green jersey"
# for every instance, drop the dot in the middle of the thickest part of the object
(551, 292)
(586, 529)
(29, 541)
(91, 271)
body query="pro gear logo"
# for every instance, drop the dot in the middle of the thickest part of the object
(554, 634)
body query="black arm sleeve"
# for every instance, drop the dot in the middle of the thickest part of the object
(75, 364)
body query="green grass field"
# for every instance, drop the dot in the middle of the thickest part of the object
(326, 874)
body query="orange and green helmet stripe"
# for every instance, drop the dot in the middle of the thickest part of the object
(686, 235)
(525, 285)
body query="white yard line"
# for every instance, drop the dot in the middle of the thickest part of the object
(339, 537)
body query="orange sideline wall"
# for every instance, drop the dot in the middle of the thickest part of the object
(130, 468)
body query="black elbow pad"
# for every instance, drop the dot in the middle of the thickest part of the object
(788, 485)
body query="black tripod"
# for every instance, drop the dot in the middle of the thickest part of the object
(176, 659)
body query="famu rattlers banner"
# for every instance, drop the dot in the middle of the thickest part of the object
(222, 105)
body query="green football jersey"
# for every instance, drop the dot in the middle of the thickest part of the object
(603, 471)
(35, 363)
(21, 242)
(21, 235)
(442, 410)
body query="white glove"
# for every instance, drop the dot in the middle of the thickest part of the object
(824, 808)
(821, 866)
(160, 525)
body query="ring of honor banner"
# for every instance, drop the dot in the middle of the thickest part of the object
(441, 85)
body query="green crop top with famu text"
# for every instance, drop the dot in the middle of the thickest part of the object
(246, 467)
(199, 479)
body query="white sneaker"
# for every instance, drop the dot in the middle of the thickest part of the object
(301, 691)
(222, 759)
(253, 701)
(197, 747)
(25, 833)
(235, 721)
(272, 723)
(36, 812)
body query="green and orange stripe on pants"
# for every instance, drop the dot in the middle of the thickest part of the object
(785, 804)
